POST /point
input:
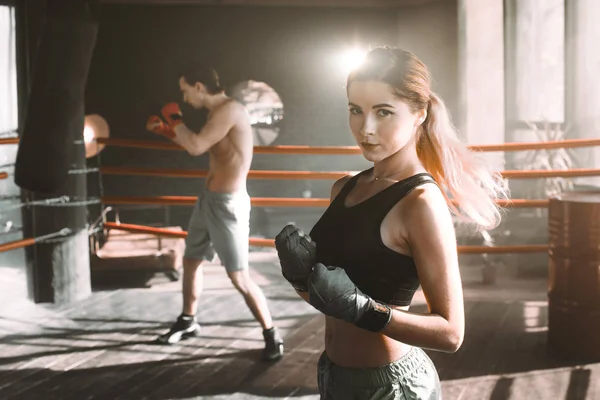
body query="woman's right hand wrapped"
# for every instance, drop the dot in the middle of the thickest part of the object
(297, 256)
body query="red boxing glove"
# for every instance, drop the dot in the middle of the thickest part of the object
(172, 113)
(156, 125)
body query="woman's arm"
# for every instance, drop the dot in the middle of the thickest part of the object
(432, 240)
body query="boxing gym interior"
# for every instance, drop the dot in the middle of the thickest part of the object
(94, 208)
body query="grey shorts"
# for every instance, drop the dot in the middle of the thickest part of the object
(220, 224)
(412, 377)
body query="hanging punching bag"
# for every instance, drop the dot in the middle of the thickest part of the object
(55, 113)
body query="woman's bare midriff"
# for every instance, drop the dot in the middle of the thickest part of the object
(352, 347)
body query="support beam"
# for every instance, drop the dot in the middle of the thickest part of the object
(59, 39)
(481, 74)
(535, 53)
(583, 79)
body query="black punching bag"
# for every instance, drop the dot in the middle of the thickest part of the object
(54, 117)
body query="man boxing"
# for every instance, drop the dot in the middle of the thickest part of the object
(220, 221)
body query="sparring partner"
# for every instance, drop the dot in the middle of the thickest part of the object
(220, 221)
(387, 231)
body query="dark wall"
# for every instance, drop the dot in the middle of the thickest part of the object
(431, 32)
(294, 50)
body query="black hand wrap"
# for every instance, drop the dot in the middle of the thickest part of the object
(333, 293)
(297, 254)
(375, 317)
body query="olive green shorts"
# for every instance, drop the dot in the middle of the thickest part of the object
(412, 377)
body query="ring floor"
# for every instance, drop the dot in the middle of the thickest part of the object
(100, 347)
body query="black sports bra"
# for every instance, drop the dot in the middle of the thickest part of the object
(350, 237)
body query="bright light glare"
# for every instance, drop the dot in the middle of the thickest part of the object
(88, 134)
(352, 59)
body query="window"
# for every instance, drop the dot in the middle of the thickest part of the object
(8, 73)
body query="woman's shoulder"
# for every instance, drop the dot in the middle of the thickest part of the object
(426, 201)
(338, 185)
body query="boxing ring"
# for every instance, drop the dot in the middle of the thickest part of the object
(574, 249)
(298, 175)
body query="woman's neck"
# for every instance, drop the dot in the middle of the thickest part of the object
(399, 165)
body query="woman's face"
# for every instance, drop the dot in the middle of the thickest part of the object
(381, 123)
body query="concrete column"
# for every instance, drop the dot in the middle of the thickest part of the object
(535, 53)
(58, 270)
(535, 59)
(481, 74)
(583, 80)
(534, 32)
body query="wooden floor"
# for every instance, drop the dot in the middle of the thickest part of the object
(100, 348)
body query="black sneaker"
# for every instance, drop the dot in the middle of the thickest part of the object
(273, 345)
(183, 328)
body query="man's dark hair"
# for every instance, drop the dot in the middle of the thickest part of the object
(204, 74)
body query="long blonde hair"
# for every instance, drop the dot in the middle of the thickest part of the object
(470, 187)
